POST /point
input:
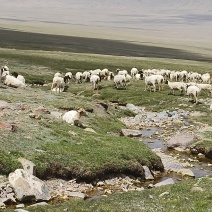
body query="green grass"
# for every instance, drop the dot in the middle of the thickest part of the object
(51, 145)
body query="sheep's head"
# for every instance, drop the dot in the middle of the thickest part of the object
(82, 112)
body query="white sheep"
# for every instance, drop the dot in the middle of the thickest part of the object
(122, 72)
(205, 87)
(120, 81)
(78, 77)
(58, 84)
(128, 78)
(95, 72)
(154, 80)
(133, 72)
(206, 78)
(138, 76)
(86, 75)
(176, 86)
(12, 81)
(110, 75)
(18, 76)
(104, 73)
(57, 74)
(68, 77)
(95, 79)
(72, 117)
(193, 91)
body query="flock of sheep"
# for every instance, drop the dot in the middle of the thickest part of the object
(190, 83)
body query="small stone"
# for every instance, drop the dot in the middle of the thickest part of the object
(195, 188)
(20, 206)
(164, 193)
(89, 130)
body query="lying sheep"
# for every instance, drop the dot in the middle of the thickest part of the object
(95, 79)
(12, 81)
(193, 91)
(58, 84)
(18, 76)
(181, 86)
(73, 117)
(120, 81)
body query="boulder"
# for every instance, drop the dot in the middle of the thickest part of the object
(168, 181)
(131, 133)
(27, 186)
(56, 114)
(182, 139)
(148, 174)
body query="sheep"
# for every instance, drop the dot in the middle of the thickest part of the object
(123, 72)
(153, 80)
(193, 91)
(95, 72)
(128, 78)
(104, 73)
(58, 84)
(78, 77)
(120, 80)
(57, 74)
(73, 116)
(5, 71)
(206, 78)
(110, 75)
(133, 72)
(95, 79)
(12, 81)
(68, 77)
(138, 76)
(205, 87)
(18, 76)
(86, 75)
(176, 86)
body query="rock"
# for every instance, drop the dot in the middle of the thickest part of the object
(76, 194)
(131, 133)
(4, 105)
(7, 126)
(35, 116)
(56, 114)
(2, 205)
(182, 139)
(148, 174)
(89, 130)
(39, 204)
(186, 172)
(20, 210)
(165, 182)
(172, 165)
(195, 188)
(27, 186)
(164, 193)
(42, 109)
(134, 109)
(27, 165)
(20, 206)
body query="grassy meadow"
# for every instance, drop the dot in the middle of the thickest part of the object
(61, 150)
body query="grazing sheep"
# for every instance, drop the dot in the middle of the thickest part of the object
(123, 72)
(58, 84)
(193, 91)
(95, 72)
(133, 72)
(120, 81)
(176, 86)
(110, 75)
(86, 75)
(58, 74)
(95, 79)
(154, 80)
(104, 73)
(138, 77)
(128, 78)
(12, 81)
(205, 87)
(72, 117)
(78, 77)
(206, 78)
(68, 77)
